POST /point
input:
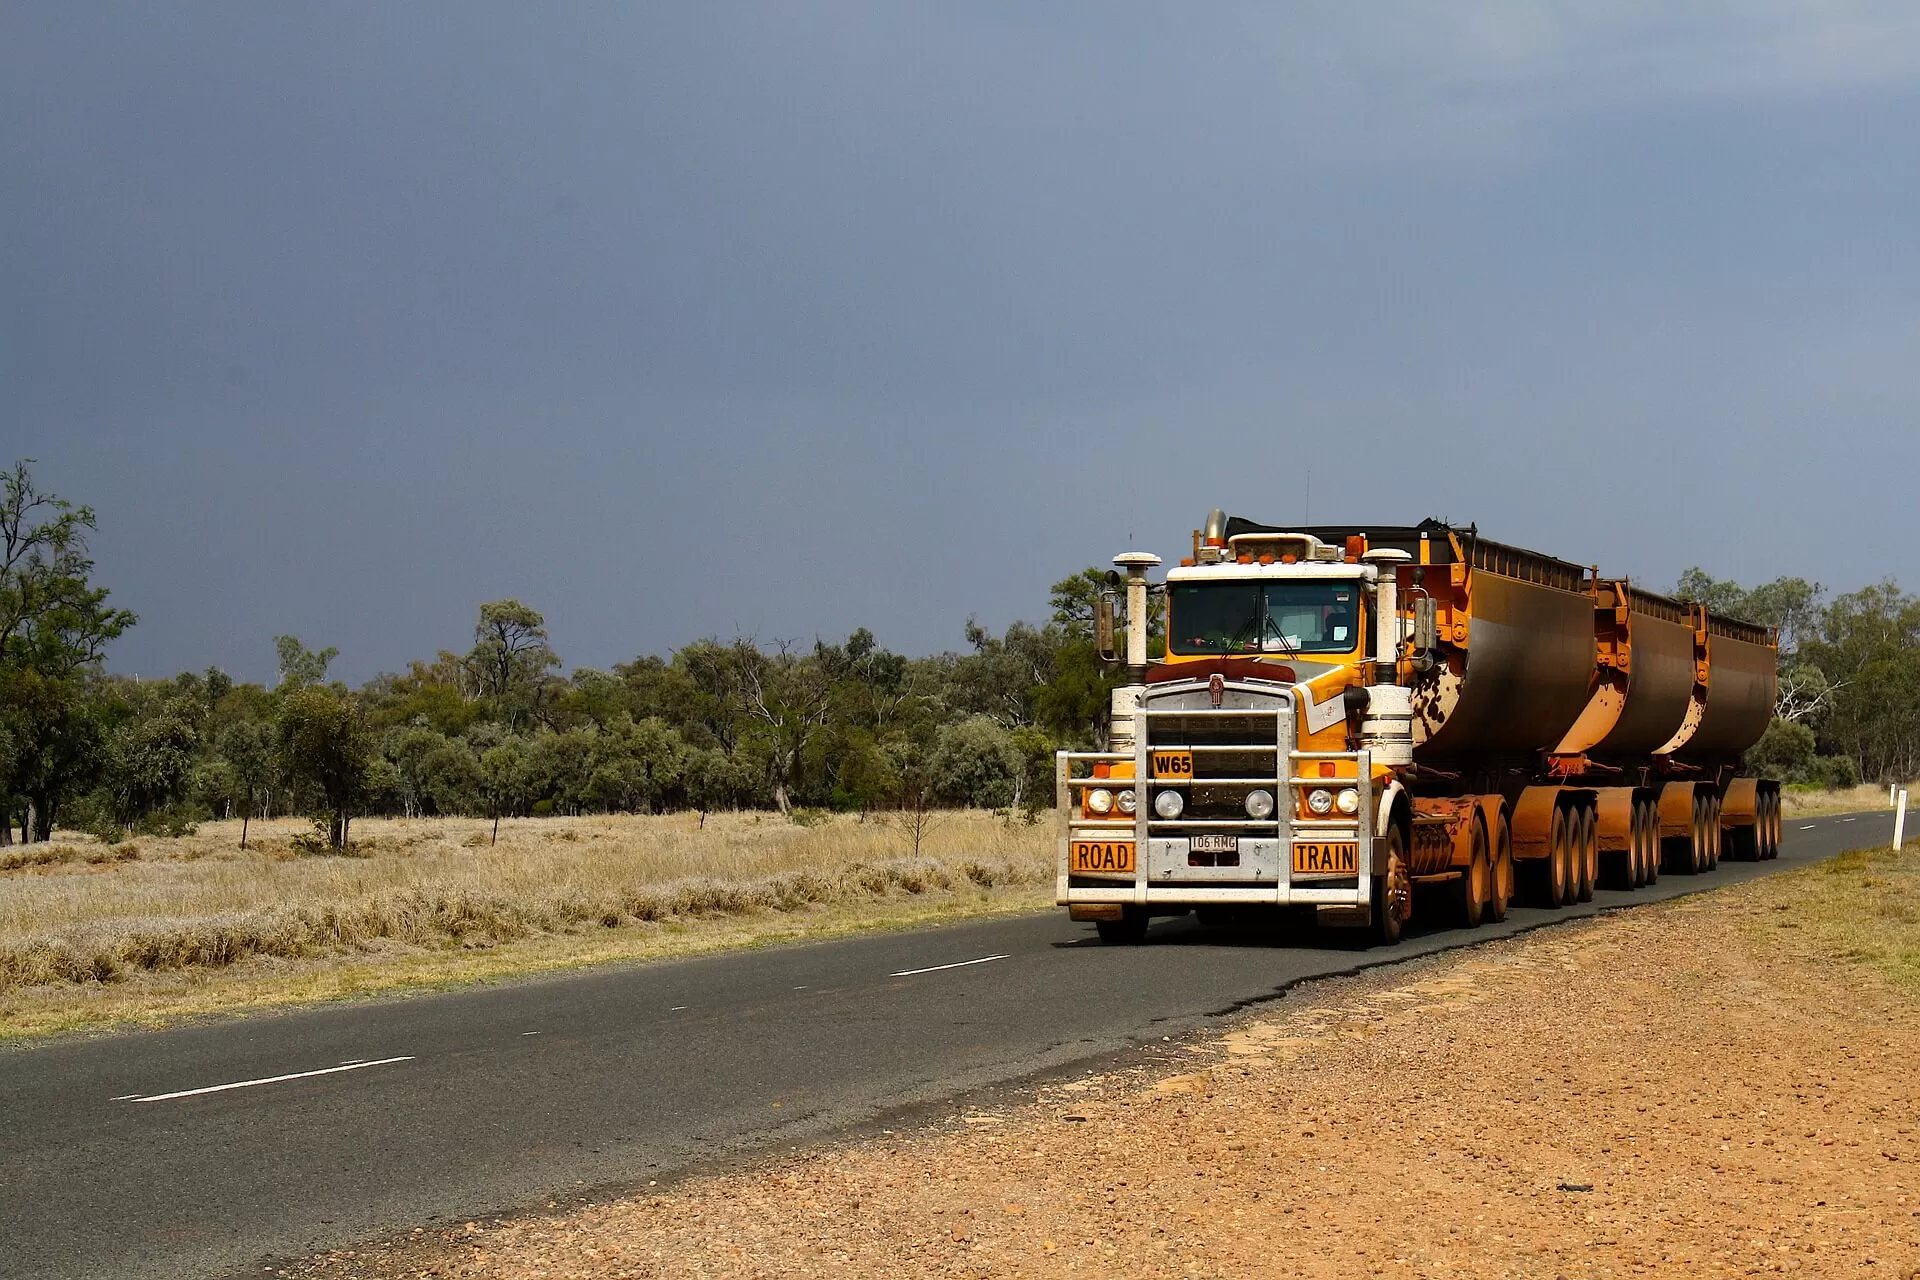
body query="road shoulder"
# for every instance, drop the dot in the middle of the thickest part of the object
(1718, 1082)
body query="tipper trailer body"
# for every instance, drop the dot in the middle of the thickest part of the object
(1346, 715)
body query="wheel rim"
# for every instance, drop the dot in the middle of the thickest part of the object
(1391, 883)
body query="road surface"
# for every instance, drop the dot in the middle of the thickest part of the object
(203, 1151)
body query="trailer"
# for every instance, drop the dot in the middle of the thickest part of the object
(1348, 720)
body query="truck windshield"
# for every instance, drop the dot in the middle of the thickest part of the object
(1263, 616)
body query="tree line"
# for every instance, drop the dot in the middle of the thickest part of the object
(499, 729)
(1848, 709)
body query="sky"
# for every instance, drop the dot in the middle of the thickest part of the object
(784, 319)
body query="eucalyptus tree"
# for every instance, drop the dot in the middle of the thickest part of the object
(54, 629)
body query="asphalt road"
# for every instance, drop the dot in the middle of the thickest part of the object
(121, 1156)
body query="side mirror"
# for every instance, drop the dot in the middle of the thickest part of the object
(1103, 611)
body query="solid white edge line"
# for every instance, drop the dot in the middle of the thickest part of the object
(935, 968)
(247, 1084)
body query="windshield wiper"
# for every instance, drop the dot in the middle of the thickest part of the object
(1292, 650)
(1254, 621)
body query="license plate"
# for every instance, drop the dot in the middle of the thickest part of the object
(1331, 857)
(1176, 766)
(1215, 844)
(1101, 855)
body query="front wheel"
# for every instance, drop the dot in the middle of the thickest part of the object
(1393, 892)
(1130, 930)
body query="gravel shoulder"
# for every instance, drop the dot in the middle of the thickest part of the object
(1723, 1084)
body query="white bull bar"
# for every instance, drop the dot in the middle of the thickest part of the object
(1144, 825)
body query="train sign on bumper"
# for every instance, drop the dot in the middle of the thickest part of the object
(1326, 858)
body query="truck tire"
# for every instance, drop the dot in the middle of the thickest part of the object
(1385, 927)
(1130, 930)
(1637, 847)
(1649, 843)
(1472, 890)
(1588, 860)
(1716, 834)
(1702, 837)
(1500, 880)
(1562, 880)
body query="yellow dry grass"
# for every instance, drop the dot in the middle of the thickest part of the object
(178, 926)
(1798, 803)
(1859, 910)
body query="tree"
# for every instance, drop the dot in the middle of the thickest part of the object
(54, 628)
(52, 619)
(247, 747)
(1868, 647)
(59, 743)
(1789, 605)
(915, 790)
(510, 659)
(638, 764)
(300, 666)
(1785, 751)
(786, 697)
(976, 764)
(450, 780)
(150, 762)
(323, 741)
(712, 780)
(503, 775)
(1804, 694)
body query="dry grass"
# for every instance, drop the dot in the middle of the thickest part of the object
(1859, 910)
(1798, 803)
(84, 941)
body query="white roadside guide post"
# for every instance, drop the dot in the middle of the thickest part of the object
(1900, 822)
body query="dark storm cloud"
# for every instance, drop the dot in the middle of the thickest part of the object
(677, 320)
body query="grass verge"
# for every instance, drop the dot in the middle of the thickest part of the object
(195, 925)
(1860, 910)
(1813, 802)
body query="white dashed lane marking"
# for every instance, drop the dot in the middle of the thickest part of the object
(248, 1084)
(935, 968)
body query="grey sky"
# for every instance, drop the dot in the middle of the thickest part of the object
(685, 319)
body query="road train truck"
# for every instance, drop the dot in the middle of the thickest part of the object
(1355, 723)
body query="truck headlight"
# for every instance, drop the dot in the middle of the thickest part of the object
(1348, 801)
(1099, 800)
(1259, 805)
(1128, 801)
(1320, 800)
(1169, 804)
